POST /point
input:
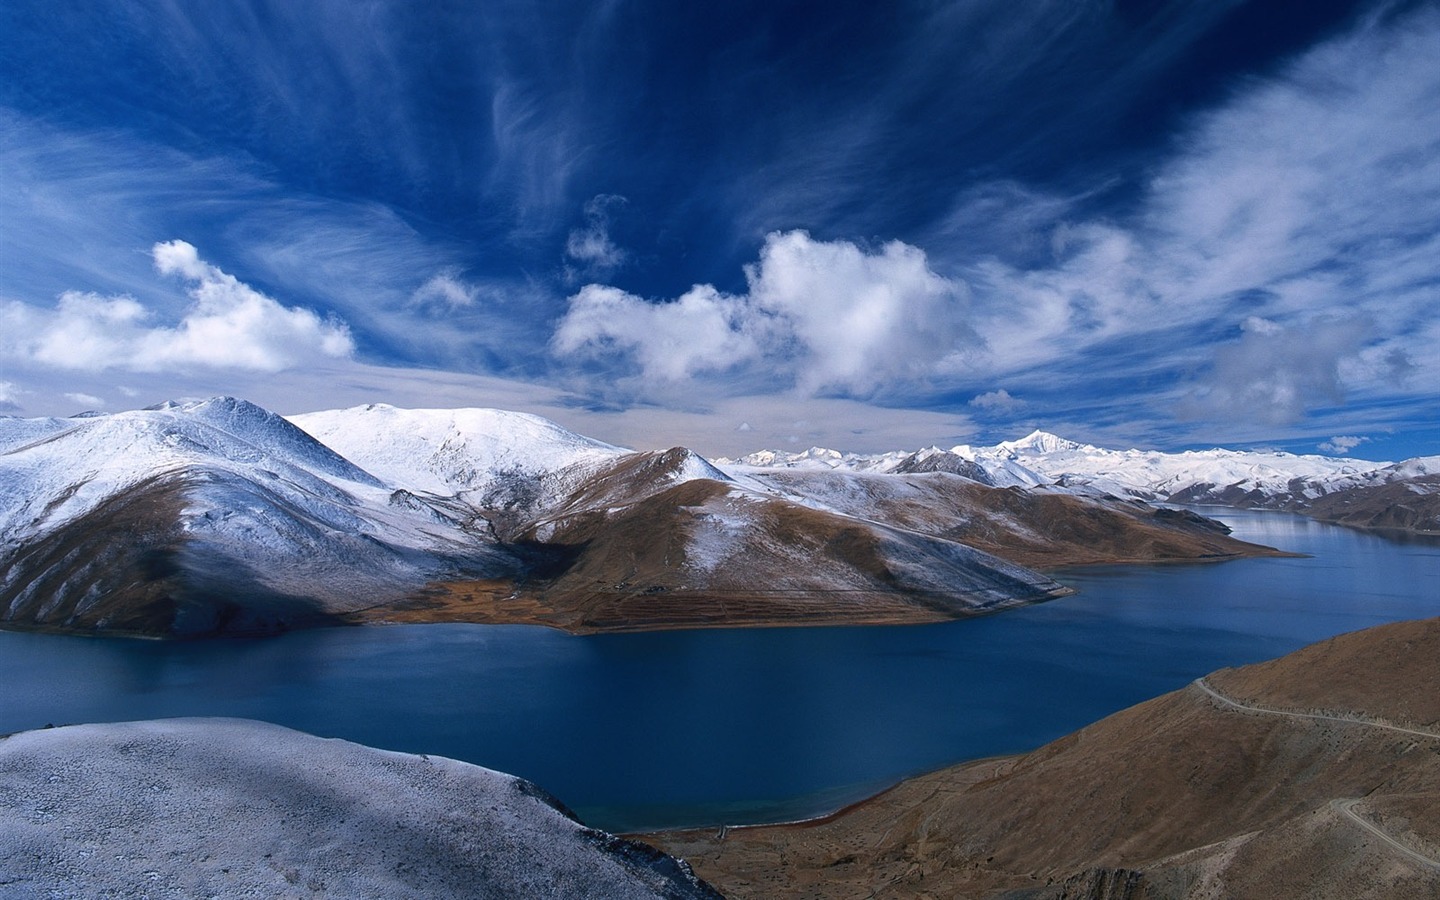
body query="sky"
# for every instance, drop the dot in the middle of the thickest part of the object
(865, 226)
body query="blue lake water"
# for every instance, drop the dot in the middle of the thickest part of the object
(744, 725)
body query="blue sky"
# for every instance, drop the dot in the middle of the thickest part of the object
(740, 225)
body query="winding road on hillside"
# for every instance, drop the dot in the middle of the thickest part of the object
(1343, 806)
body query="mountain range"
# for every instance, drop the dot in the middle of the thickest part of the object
(220, 517)
(1355, 492)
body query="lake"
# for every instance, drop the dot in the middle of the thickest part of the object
(639, 731)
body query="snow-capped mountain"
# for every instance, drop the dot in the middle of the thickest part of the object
(209, 515)
(446, 452)
(1250, 479)
(219, 516)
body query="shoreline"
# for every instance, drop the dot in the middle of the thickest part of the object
(1160, 795)
(831, 816)
(492, 602)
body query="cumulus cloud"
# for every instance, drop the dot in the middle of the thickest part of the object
(822, 316)
(1342, 443)
(229, 325)
(997, 401)
(861, 320)
(701, 331)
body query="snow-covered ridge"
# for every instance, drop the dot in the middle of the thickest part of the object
(53, 470)
(1041, 459)
(449, 451)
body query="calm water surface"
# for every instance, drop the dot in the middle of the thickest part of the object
(744, 725)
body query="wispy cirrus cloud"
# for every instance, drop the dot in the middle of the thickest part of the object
(590, 248)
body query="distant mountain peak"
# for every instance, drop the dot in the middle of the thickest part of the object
(1039, 441)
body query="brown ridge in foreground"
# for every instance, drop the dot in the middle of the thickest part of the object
(1316, 775)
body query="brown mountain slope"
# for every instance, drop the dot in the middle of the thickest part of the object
(1409, 505)
(664, 540)
(1032, 528)
(701, 553)
(130, 566)
(635, 541)
(1316, 775)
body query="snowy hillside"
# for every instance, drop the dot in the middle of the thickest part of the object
(53, 470)
(190, 808)
(215, 512)
(450, 451)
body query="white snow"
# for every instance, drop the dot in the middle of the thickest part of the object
(46, 482)
(229, 808)
(450, 451)
(1042, 459)
(257, 491)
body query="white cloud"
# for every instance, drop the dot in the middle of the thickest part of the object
(9, 397)
(821, 316)
(1342, 443)
(89, 401)
(997, 401)
(701, 331)
(229, 325)
(1305, 199)
(591, 246)
(1303, 206)
(862, 321)
(180, 258)
(445, 290)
